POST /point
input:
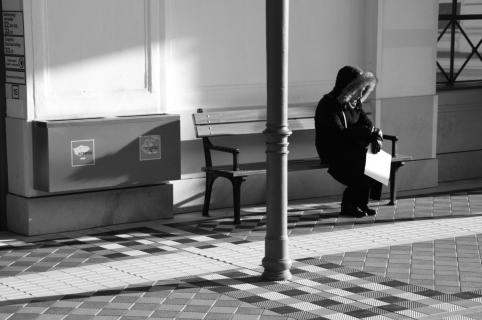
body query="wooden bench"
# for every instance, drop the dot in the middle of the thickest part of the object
(252, 121)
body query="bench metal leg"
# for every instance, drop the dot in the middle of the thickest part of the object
(207, 194)
(393, 182)
(237, 198)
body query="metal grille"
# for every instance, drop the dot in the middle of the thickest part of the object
(458, 42)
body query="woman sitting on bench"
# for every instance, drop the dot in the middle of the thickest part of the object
(343, 134)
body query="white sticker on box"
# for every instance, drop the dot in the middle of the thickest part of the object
(82, 152)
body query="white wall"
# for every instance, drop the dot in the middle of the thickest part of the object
(122, 57)
(217, 59)
(92, 58)
(409, 37)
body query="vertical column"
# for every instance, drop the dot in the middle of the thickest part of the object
(277, 262)
(405, 99)
(12, 80)
(3, 143)
(14, 50)
(373, 53)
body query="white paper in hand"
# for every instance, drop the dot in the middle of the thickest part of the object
(378, 165)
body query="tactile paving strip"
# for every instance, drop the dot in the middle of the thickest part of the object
(324, 290)
(317, 290)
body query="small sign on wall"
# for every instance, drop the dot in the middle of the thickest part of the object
(14, 53)
(15, 91)
(13, 23)
(14, 45)
(15, 62)
(149, 147)
(82, 152)
(17, 77)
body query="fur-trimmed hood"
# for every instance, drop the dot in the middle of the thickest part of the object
(352, 80)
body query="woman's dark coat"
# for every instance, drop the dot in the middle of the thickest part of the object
(342, 133)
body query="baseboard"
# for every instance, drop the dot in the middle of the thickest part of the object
(42, 215)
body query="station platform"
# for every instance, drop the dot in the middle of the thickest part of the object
(419, 259)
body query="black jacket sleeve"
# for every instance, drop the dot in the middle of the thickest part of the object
(359, 133)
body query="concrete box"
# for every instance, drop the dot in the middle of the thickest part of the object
(86, 154)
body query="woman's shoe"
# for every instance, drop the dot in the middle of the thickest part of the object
(350, 210)
(367, 210)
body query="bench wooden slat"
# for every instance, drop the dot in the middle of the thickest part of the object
(252, 127)
(248, 115)
(256, 168)
(231, 116)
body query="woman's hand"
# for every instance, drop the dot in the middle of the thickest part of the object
(376, 140)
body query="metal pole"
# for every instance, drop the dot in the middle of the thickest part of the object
(277, 262)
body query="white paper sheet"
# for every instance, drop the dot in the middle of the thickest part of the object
(378, 165)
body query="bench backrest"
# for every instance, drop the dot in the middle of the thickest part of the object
(249, 121)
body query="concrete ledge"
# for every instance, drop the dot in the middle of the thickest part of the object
(460, 165)
(42, 215)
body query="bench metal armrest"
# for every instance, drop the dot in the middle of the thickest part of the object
(394, 140)
(233, 151)
(390, 137)
(224, 149)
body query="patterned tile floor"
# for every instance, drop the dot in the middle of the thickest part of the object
(420, 259)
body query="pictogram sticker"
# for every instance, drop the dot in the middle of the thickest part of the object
(149, 147)
(82, 152)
